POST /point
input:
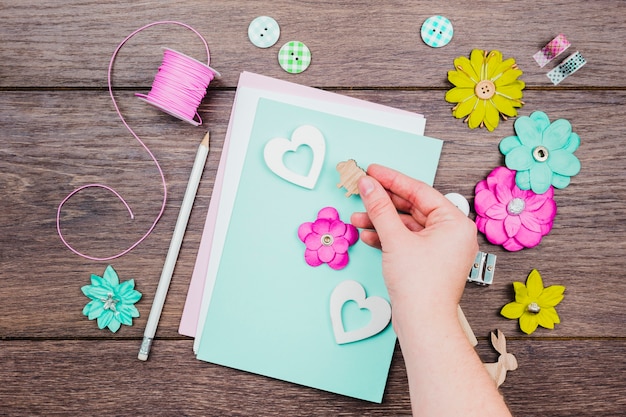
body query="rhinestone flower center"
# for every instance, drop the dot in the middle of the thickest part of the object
(109, 302)
(516, 206)
(533, 308)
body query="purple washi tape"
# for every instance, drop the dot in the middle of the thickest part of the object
(553, 49)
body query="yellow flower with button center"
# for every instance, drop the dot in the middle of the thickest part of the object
(486, 87)
(534, 305)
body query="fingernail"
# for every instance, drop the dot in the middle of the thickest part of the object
(366, 186)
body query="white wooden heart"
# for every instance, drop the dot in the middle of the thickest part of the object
(276, 148)
(379, 308)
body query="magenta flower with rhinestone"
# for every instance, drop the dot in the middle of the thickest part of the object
(327, 239)
(510, 216)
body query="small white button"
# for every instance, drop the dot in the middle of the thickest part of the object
(263, 31)
(459, 201)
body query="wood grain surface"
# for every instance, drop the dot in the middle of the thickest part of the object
(58, 131)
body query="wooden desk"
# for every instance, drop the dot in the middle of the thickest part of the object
(59, 131)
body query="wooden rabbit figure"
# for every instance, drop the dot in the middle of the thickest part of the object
(506, 361)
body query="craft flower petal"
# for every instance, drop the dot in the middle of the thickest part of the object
(485, 88)
(112, 303)
(510, 216)
(327, 239)
(542, 153)
(534, 305)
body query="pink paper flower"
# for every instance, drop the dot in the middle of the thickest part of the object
(510, 216)
(327, 239)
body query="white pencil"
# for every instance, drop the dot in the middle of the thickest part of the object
(172, 253)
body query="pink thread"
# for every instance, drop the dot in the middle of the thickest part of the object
(175, 96)
(179, 86)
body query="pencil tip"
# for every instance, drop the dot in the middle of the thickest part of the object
(205, 141)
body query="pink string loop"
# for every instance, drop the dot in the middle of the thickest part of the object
(178, 89)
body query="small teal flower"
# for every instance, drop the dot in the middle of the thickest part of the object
(542, 153)
(111, 303)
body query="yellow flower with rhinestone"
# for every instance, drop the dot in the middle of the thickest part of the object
(534, 304)
(486, 87)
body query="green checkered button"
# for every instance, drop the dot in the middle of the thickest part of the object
(294, 57)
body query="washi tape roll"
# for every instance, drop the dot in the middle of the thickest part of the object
(566, 68)
(553, 49)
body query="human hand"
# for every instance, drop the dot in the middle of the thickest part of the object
(428, 247)
(428, 244)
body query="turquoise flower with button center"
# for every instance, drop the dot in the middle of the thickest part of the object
(542, 153)
(112, 303)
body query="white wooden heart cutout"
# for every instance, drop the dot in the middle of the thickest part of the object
(379, 308)
(276, 148)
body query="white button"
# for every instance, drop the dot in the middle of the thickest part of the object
(459, 201)
(263, 31)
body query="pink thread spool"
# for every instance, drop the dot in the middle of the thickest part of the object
(179, 86)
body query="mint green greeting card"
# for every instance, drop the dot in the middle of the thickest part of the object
(270, 311)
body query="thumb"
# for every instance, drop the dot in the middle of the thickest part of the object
(381, 211)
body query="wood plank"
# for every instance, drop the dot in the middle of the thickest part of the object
(58, 131)
(359, 43)
(51, 144)
(555, 378)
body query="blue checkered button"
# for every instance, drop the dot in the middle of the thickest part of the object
(263, 31)
(437, 31)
